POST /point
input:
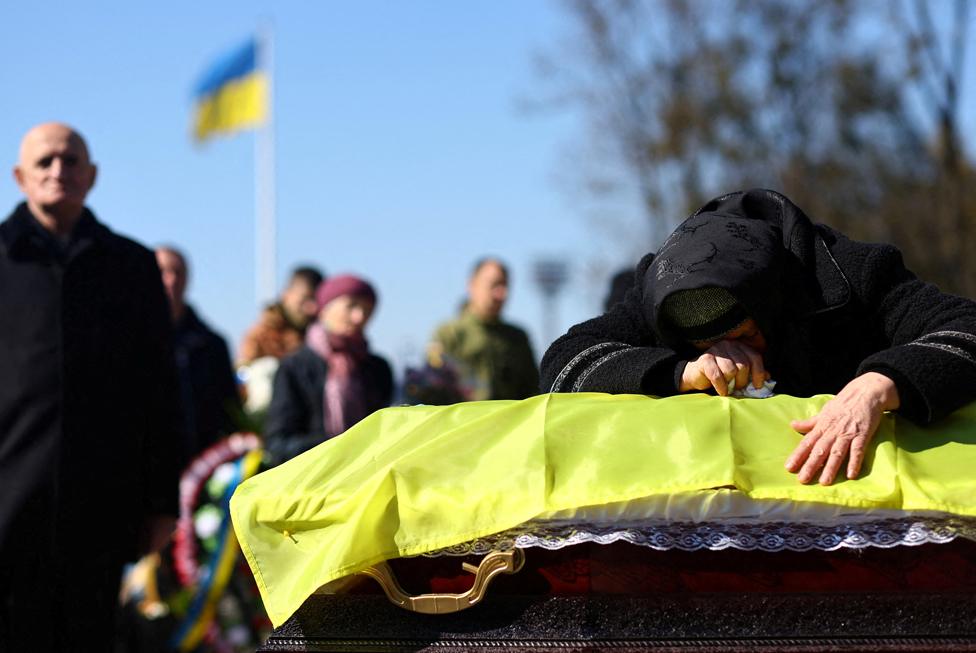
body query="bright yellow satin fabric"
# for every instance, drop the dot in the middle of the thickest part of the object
(409, 480)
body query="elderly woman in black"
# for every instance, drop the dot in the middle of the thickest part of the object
(749, 288)
(333, 381)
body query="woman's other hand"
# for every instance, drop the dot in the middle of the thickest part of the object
(843, 429)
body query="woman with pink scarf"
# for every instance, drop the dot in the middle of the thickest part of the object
(333, 381)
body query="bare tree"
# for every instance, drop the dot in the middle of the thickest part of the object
(692, 98)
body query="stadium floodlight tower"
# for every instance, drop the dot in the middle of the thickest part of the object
(550, 276)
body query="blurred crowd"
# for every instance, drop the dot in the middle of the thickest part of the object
(304, 372)
(116, 386)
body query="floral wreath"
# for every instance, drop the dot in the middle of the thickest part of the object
(242, 453)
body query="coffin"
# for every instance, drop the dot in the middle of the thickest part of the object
(629, 522)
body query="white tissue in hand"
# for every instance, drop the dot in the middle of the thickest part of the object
(752, 392)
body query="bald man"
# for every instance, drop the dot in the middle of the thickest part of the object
(88, 420)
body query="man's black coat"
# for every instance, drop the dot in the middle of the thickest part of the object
(88, 413)
(208, 388)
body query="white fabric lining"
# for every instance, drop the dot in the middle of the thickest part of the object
(724, 518)
(722, 505)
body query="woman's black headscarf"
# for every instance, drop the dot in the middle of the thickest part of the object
(765, 252)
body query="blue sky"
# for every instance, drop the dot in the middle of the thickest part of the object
(402, 153)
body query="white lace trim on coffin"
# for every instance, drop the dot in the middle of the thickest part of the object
(692, 536)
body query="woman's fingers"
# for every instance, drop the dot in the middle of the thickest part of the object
(743, 372)
(802, 450)
(804, 425)
(756, 368)
(817, 458)
(843, 429)
(835, 459)
(724, 362)
(714, 373)
(749, 365)
(736, 361)
(818, 453)
(856, 459)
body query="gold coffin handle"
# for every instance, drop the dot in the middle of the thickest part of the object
(496, 562)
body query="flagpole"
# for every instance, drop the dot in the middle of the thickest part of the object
(264, 178)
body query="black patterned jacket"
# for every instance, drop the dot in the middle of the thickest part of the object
(833, 308)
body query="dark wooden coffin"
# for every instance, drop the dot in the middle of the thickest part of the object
(623, 597)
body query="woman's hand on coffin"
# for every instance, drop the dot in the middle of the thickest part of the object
(722, 362)
(842, 430)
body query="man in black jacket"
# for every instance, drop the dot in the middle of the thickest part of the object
(749, 288)
(210, 403)
(87, 405)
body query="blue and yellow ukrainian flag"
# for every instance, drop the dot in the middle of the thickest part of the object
(232, 95)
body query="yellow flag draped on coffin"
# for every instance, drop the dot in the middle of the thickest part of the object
(410, 480)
